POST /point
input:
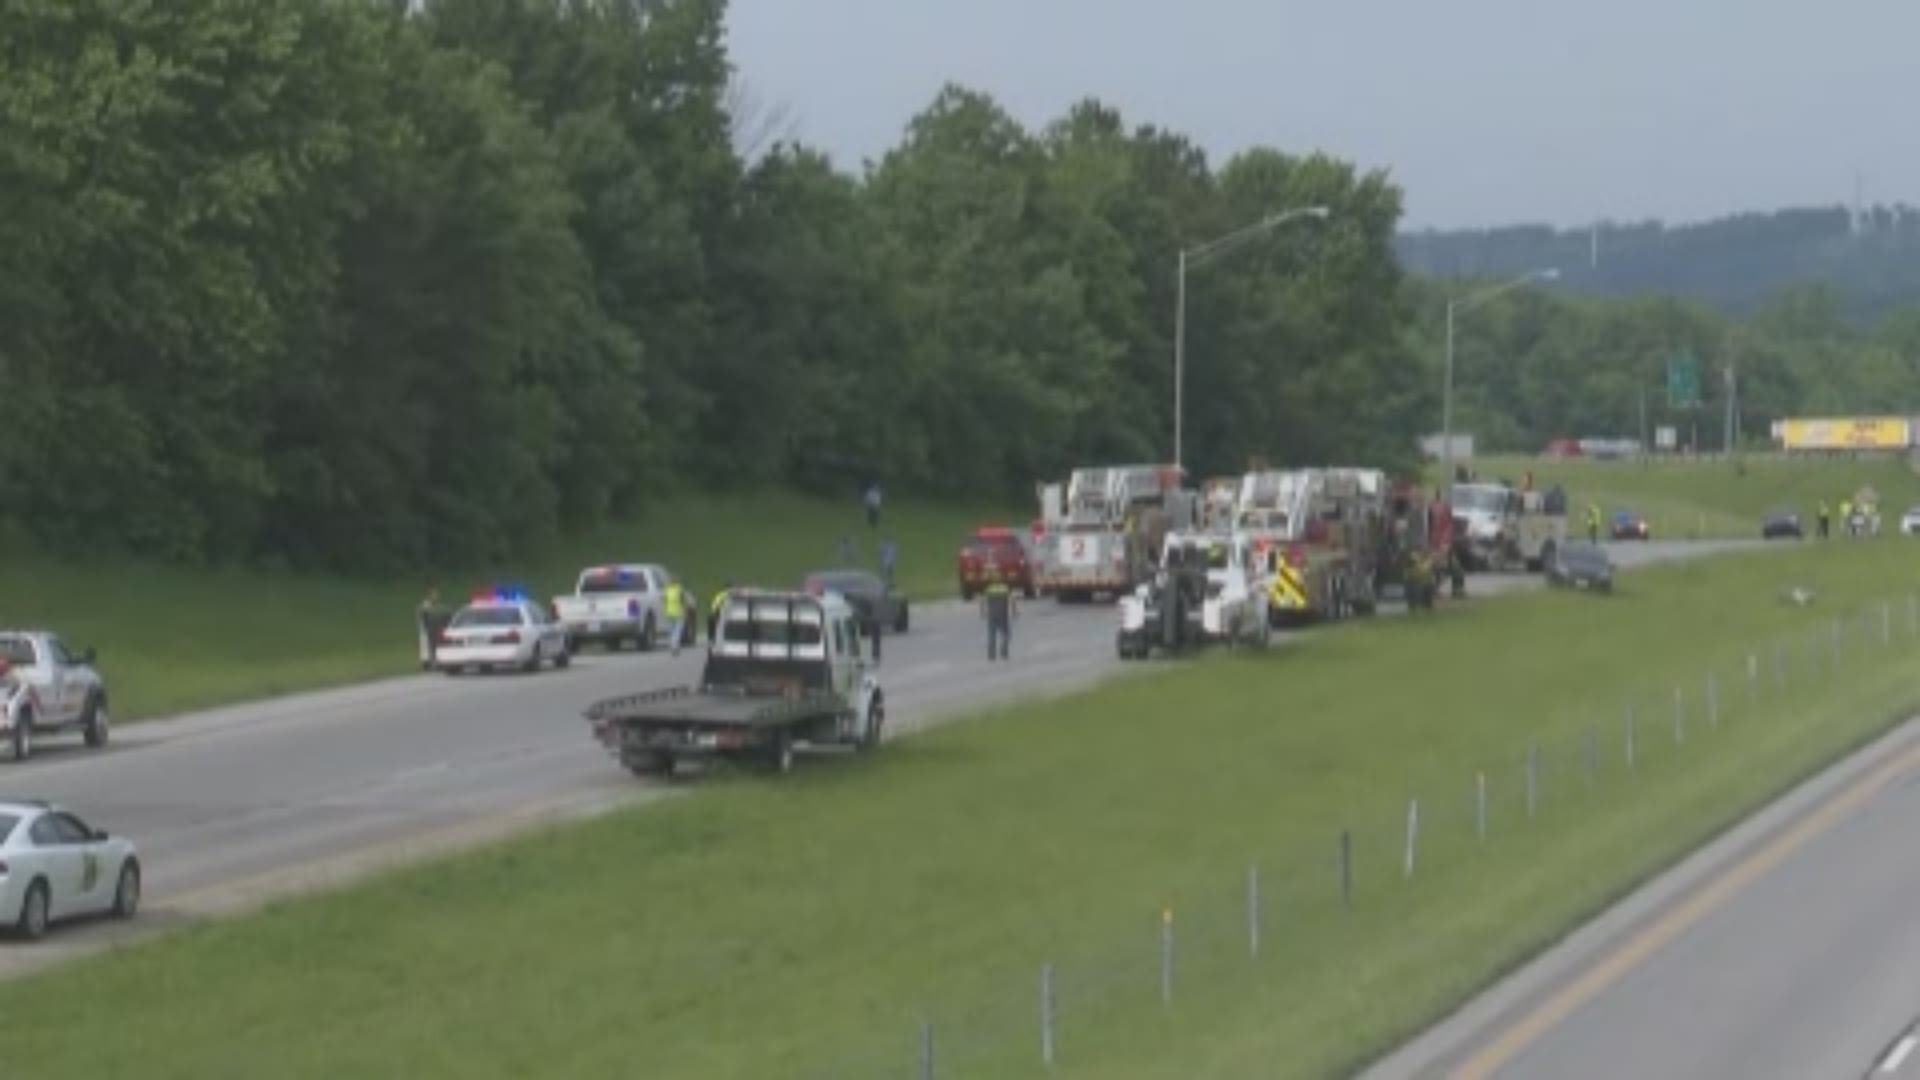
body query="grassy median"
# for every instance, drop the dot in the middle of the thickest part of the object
(173, 639)
(1718, 498)
(807, 926)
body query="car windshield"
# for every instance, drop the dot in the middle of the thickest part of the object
(613, 582)
(1492, 500)
(984, 545)
(16, 650)
(8, 822)
(489, 616)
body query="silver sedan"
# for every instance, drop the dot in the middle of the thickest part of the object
(54, 866)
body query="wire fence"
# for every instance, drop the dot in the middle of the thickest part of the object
(1223, 938)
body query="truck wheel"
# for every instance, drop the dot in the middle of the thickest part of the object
(126, 892)
(95, 722)
(900, 620)
(565, 658)
(649, 635)
(23, 736)
(656, 763)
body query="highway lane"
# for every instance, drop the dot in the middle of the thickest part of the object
(237, 805)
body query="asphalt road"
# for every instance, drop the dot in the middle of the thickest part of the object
(235, 806)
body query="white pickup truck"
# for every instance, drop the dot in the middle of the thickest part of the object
(622, 602)
(47, 688)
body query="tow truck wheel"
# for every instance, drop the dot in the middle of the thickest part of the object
(876, 721)
(565, 658)
(95, 722)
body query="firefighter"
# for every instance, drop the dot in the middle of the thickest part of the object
(673, 604)
(997, 605)
(1593, 523)
(430, 619)
(713, 612)
(1440, 539)
(1825, 520)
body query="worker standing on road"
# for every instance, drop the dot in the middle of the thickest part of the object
(1846, 515)
(873, 505)
(996, 603)
(1824, 521)
(673, 605)
(713, 613)
(1593, 523)
(430, 619)
(889, 551)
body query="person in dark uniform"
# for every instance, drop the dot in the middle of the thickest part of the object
(430, 619)
(997, 604)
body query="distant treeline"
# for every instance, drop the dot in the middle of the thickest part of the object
(370, 282)
(1870, 260)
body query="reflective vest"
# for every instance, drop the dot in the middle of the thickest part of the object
(675, 601)
(719, 601)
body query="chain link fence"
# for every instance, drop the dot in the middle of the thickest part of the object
(1233, 932)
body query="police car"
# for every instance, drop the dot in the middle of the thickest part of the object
(54, 866)
(502, 628)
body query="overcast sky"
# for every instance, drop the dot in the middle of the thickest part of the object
(1486, 111)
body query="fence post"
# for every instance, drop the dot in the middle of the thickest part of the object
(1480, 805)
(926, 1050)
(1413, 831)
(1532, 764)
(1346, 867)
(1629, 738)
(1753, 677)
(1886, 622)
(1046, 1015)
(1713, 699)
(1253, 909)
(1679, 717)
(1593, 753)
(1913, 615)
(1166, 956)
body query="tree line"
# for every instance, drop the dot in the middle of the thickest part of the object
(1869, 257)
(368, 283)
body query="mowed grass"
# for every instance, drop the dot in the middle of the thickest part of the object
(172, 639)
(806, 926)
(1684, 498)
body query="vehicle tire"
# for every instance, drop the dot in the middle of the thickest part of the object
(565, 659)
(876, 725)
(656, 763)
(900, 620)
(33, 921)
(126, 893)
(782, 752)
(95, 723)
(689, 634)
(23, 736)
(649, 635)
(1547, 552)
(966, 595)
(533, 660)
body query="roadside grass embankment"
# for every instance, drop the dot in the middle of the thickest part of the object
(173, 638)
(1716, 498)
(806, 927)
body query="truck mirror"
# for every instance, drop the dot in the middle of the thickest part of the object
(88, 656)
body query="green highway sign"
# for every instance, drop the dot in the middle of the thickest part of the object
(1683, 380)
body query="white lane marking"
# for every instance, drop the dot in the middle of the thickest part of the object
(424, 770)
(1898, 1055)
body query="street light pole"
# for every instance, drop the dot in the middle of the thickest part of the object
(1194, 257)
(1468, 303)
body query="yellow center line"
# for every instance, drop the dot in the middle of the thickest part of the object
(1676, 921)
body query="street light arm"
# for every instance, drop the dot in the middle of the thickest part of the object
(1200, 253)
(1474, 300)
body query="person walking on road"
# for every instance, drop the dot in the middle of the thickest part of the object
(873, 505)
(1823, 522)
(1846, 515)
(673, 605)
(997, 604)
(713, 612)
(430, 619)
(889, 552)
(1593, 523)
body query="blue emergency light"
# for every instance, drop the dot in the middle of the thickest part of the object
(505, 594)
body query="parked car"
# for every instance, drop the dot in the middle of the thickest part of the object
(1910, 522)
(874, 602)
(1628, 525)
(502, 629)
(46, 688)
(1781, 522)
(54, 866)
(1580, 566)
(994, 549)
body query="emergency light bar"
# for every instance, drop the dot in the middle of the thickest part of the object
(504, 594)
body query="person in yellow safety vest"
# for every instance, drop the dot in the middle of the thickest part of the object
(1846, 515)
(996, 603)
(713, 612)
(673, 605)
(1593, 523)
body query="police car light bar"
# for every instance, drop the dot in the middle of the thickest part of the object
(504, 594)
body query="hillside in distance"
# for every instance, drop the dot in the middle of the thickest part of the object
(1871, 260)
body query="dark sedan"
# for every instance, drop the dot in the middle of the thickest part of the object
(872, 599)
(1628, 525)
(1581, 566)
(1781, 523)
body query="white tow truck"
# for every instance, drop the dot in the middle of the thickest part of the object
(622, 602)
(1209, 589)
(46, 688)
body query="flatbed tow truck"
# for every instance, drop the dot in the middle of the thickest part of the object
(785, 674)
